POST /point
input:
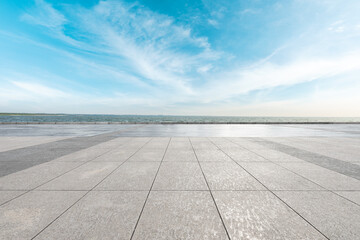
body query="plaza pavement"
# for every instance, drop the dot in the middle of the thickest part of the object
(180, 182)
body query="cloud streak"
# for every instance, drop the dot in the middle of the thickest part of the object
(149, 58)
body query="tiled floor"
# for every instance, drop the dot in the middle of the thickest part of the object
(173, 187)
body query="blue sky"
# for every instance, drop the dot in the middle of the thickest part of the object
(239, 58)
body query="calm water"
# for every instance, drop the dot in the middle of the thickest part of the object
(163, 119)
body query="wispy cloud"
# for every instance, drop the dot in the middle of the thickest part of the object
(45, 15)
(152, 45)
(40, 90)
(270, 75)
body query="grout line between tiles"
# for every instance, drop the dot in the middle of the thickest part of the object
(273, 193)
(147, 196)
(211, 194)
(276, 163)
(88, 192)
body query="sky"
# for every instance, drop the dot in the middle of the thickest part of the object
(183, 57)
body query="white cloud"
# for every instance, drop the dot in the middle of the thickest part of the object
(213, 22)
(40, 90)
(270, 75)
(152, 44)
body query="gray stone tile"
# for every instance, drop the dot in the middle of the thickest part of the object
(157, 144)
(112, 144)
(202, 144)
(276, 156)
(84, 155)
(229, 176)
(8, 195)
(180, 155)
(179, 139)
(324, 177)
(351, 195)
(240, 155)
(84, 177)
(9, 167)
(180, 215)
(180, 145)
(11, 143)
(180, 176)
(260, 215)
(331, 147)
(33, 177)
(343, 167)
(278, 178)
(247, 143)
(334, 216)
(131, 176)
(47, 151)
(99, 215)
(27, 215)
(224, 143)
(118, 155)
(212, 156)
(146, 155)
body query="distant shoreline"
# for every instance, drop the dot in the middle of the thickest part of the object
(164, 123)
(29, 114)
(61, 118)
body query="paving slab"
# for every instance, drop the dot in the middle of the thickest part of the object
(84, 155)
(276, 156)
(212, 156)
(240, 155)
(351, 195)
(46, 152)
(324, 177)
(148, 155)
(117, 155)
(84, 177)
(260, 215)
(9, 195)
(202, 144)
(158, 143)
(99, 215)
(180, 215)
(24, 217)
(343, 167)
(224, 143)
(35, 176)
(180, 176)
(131, 176)
(229, 176)
(182, 144)
(331, 147)
(9, 167)
(334, 216)
(180, 155)
(275, 177)
(247, 143)
(11, 143)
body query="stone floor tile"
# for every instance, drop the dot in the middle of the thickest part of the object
(131, 176)
(261, 215)
(180, 176)
(99, 215)
(84, 177)
(27, 215)
(180, 215)
(333, 215)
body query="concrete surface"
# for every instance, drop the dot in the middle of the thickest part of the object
(180, 182)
